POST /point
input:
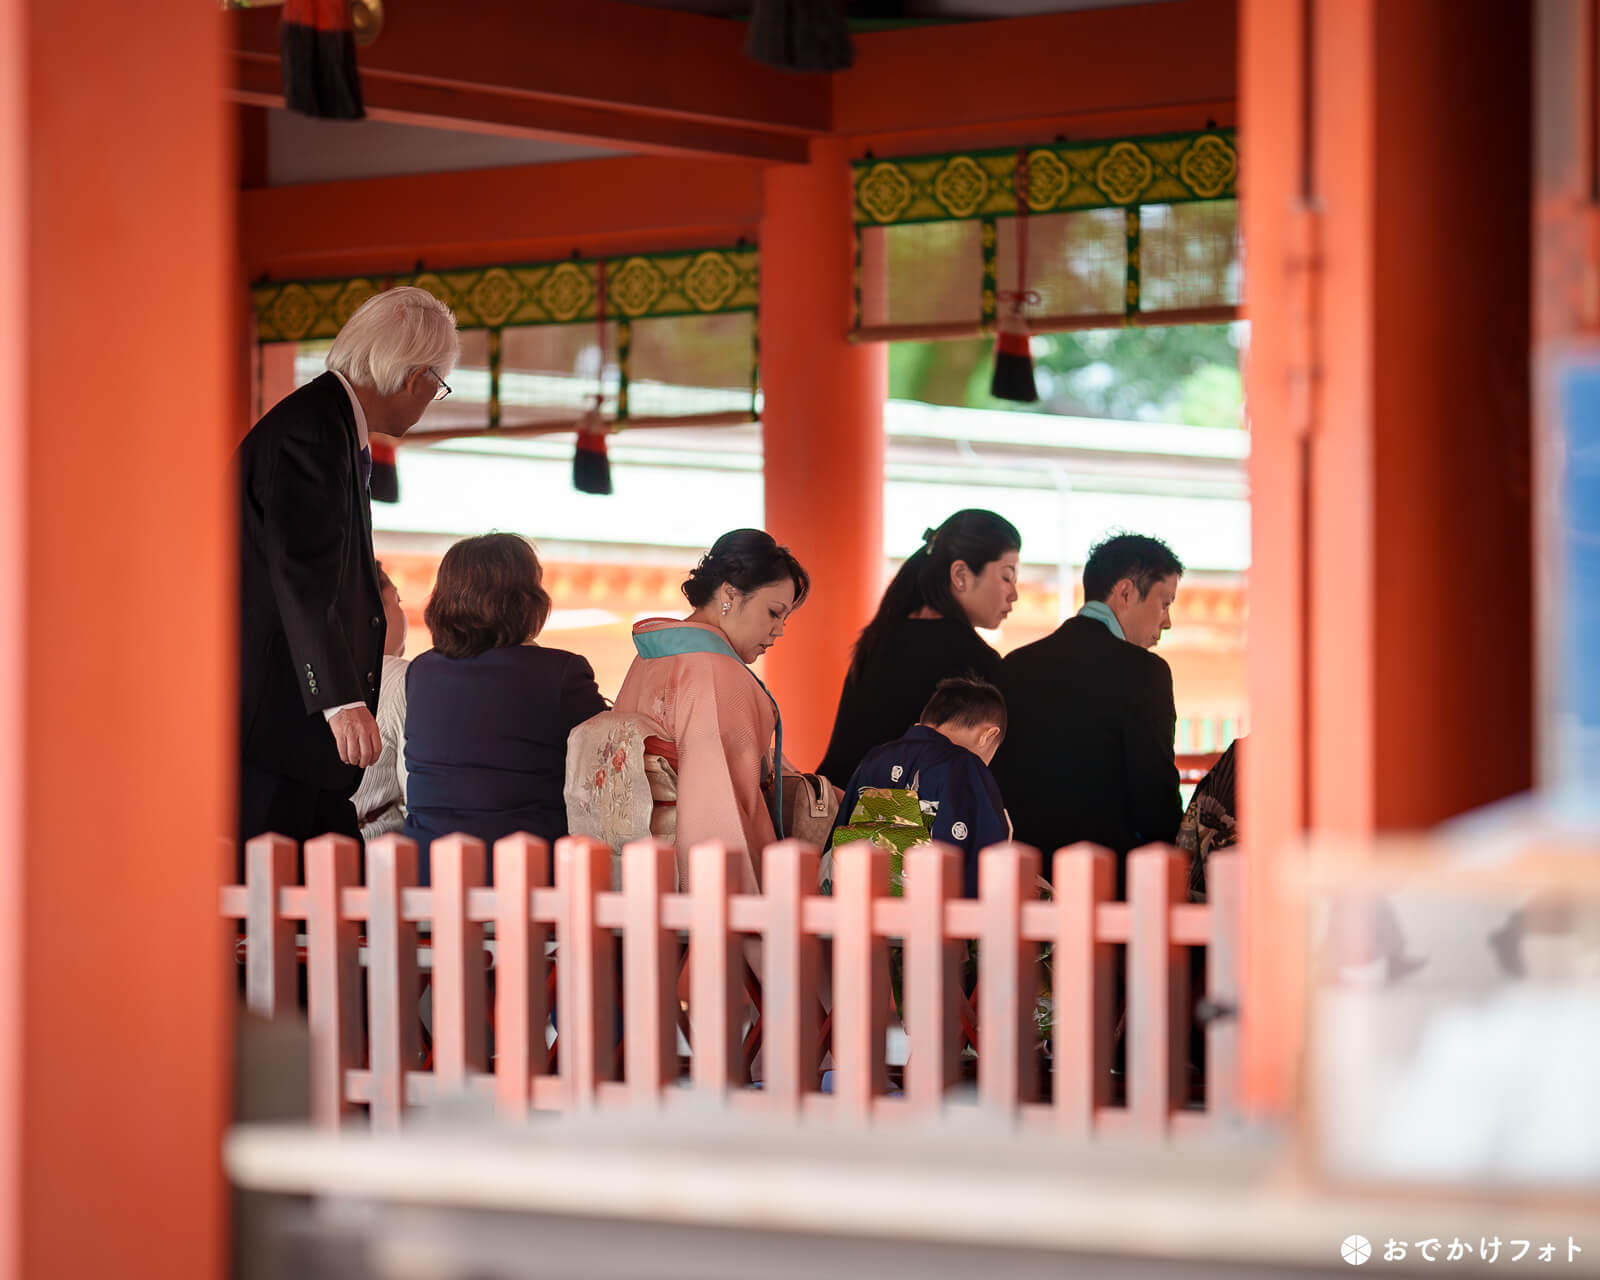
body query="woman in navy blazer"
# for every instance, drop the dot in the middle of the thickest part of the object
(488, 710)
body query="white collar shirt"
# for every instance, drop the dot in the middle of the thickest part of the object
(355, 403)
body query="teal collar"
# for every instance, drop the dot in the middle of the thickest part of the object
(1100, 611)
(669, 642)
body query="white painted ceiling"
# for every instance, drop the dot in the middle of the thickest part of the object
(300, 149)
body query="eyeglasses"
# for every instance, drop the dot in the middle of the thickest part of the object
(444, 387)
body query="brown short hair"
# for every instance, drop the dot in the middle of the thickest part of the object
(489, 595)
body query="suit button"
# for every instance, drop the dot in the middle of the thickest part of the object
(376, 623)
(369, 677)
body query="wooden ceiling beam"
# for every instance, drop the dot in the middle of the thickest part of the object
(1090, 64)
(617, 74)
(479, 216)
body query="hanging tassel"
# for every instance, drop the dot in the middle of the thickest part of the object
(385, 485)
(800, 35)
(317, 46)
(1013, 355)
(591, 465)
(1013, 361)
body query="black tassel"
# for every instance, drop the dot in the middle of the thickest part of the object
(1013, 362)
(317, 49)
(591, 466)
(800, 35)
(385, 483)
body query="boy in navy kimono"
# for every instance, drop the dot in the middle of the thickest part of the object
(944, 758)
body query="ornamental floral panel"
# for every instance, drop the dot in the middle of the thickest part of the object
(639, 286)
(1062, 177)
(1113, 231)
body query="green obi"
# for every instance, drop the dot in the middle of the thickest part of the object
(890, 818)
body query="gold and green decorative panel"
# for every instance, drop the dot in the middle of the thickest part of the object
(640, 286)
(1062, 177)
(1089, 234)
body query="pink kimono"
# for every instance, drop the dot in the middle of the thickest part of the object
(716, 711)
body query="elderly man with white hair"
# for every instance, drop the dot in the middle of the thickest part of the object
(312, 626)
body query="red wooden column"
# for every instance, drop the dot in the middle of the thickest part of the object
(1435, 427)
(118, 358)
(823, 428)
(1279, 226)
(1387, 213)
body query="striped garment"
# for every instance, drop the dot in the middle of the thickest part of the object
(380, 800)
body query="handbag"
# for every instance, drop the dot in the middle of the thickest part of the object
(810, 804)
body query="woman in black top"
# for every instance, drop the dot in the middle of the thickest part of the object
(488, 711)
(963, 576)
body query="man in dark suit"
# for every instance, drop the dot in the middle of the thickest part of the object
(1089, 755)
(311, 622)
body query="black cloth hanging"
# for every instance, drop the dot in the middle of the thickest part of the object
(317, 46)
(800, 35)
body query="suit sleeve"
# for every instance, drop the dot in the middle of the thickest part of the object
(307, 516)
(580, 695)
(1156, 809)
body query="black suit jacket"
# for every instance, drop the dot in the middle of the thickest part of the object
(1088, 749)
(311, 627)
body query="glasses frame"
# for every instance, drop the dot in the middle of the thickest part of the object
(444, 387)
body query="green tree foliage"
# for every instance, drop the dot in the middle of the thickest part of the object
(1211, 396)
(1186, 374)
(939, 372)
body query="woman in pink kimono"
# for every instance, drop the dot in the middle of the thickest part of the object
(693, 677)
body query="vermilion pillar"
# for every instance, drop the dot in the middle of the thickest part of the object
(823, 429)
(1388, 293)
(118, 358)
(1280, 226)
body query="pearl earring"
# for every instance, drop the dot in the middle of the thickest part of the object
(725, 607)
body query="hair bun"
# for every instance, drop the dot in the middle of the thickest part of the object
(745, 559)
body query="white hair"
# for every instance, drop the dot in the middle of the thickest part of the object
(392, 335)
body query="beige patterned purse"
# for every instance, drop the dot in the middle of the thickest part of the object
(810, 804)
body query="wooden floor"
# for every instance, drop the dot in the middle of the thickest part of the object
(712, 1196)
